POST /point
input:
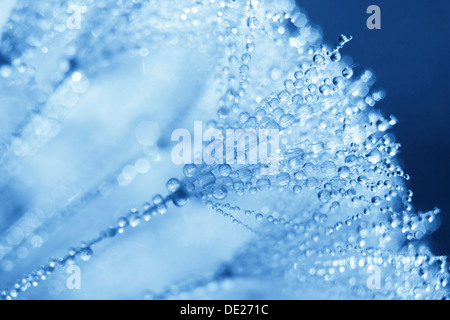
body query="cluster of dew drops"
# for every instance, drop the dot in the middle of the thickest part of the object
(338, 156)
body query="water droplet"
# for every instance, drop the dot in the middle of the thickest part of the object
(347, 72)
(335, 56)
(338, 81)
(173, 185)
(374, 156)
(344, 172)
(287, 120)
(283, 179)
(224, 170)
(343, 39)
(158, 199)
(318, 58)
(324, 196)
(252, 23)
(246, 58)
(325, 89)
(275, 73)
(206, 180)
(189, 170)
(180, 198)
(85, 253)
(220, 193)
(111, 232)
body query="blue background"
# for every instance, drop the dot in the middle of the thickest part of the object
(410, 57)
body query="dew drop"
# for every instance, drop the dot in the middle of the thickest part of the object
(220, 193)
(85, 253)
(173, 185)
(347, 72)
(335, 56)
